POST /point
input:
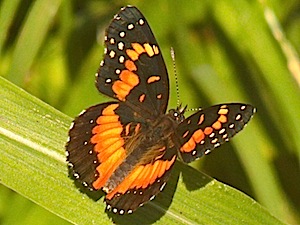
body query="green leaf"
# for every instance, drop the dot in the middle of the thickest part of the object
(32, 139)
(32, 36)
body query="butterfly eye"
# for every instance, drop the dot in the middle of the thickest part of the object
(176, 115)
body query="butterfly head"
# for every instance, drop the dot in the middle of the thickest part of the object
(178, 113)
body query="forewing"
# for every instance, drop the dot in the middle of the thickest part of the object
(209, 128)
(133, 69)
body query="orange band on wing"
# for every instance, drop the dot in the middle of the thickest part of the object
(108, 144)
(110, 110)
(200, 135)
(122, 87)
(138, 48)
(105, 126)
(133, 55)
(217, 125)
(208, 130)
(223, 119)
(149, 49)
(105, 150)
(106, 168)
(107, 119)
(130, 65)
(189, 145)
(129, 78)
(143, 176)
(153, 79)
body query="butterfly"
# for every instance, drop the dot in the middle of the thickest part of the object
(127, 147)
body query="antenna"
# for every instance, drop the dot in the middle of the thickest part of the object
(176, 78)
(194, 109)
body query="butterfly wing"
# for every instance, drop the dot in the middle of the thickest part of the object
(209, 128)
(133, 69)
(100, 157)
(96, 142)
(142, 184)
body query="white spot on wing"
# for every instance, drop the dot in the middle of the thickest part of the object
(121, 59)
(130, 26)
(207, 151)
(162, 186)
(122, 34)
(108, 80)
(141, 21)
(238, 117)
(121, 45)
(112, 54)
(112, 41)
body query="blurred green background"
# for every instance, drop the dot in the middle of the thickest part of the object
(226, 51)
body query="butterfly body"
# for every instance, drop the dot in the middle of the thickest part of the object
(128, 147)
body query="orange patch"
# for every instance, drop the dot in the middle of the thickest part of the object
(142, 97)
(138, 48)
(127, 129)
(186, 133)
(201, 119)
(121, 89)
(109, 110)
(107, 168)
(130, 65)
(114, 132)
(104, 144)
(188, 146)
(142, 176)
(145, 172)
(156, 50)
(129, 78)
(107, 119)
(108, 151)
(104, 127)
(155, 170)
(198, 136)
(148, 49)
(223, 111)
(222, 119)
(133, 55)
(217, 125)
(125, 185)
(208, 130)
(153, 79)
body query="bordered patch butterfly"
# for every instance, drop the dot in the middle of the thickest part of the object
(128, 147)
